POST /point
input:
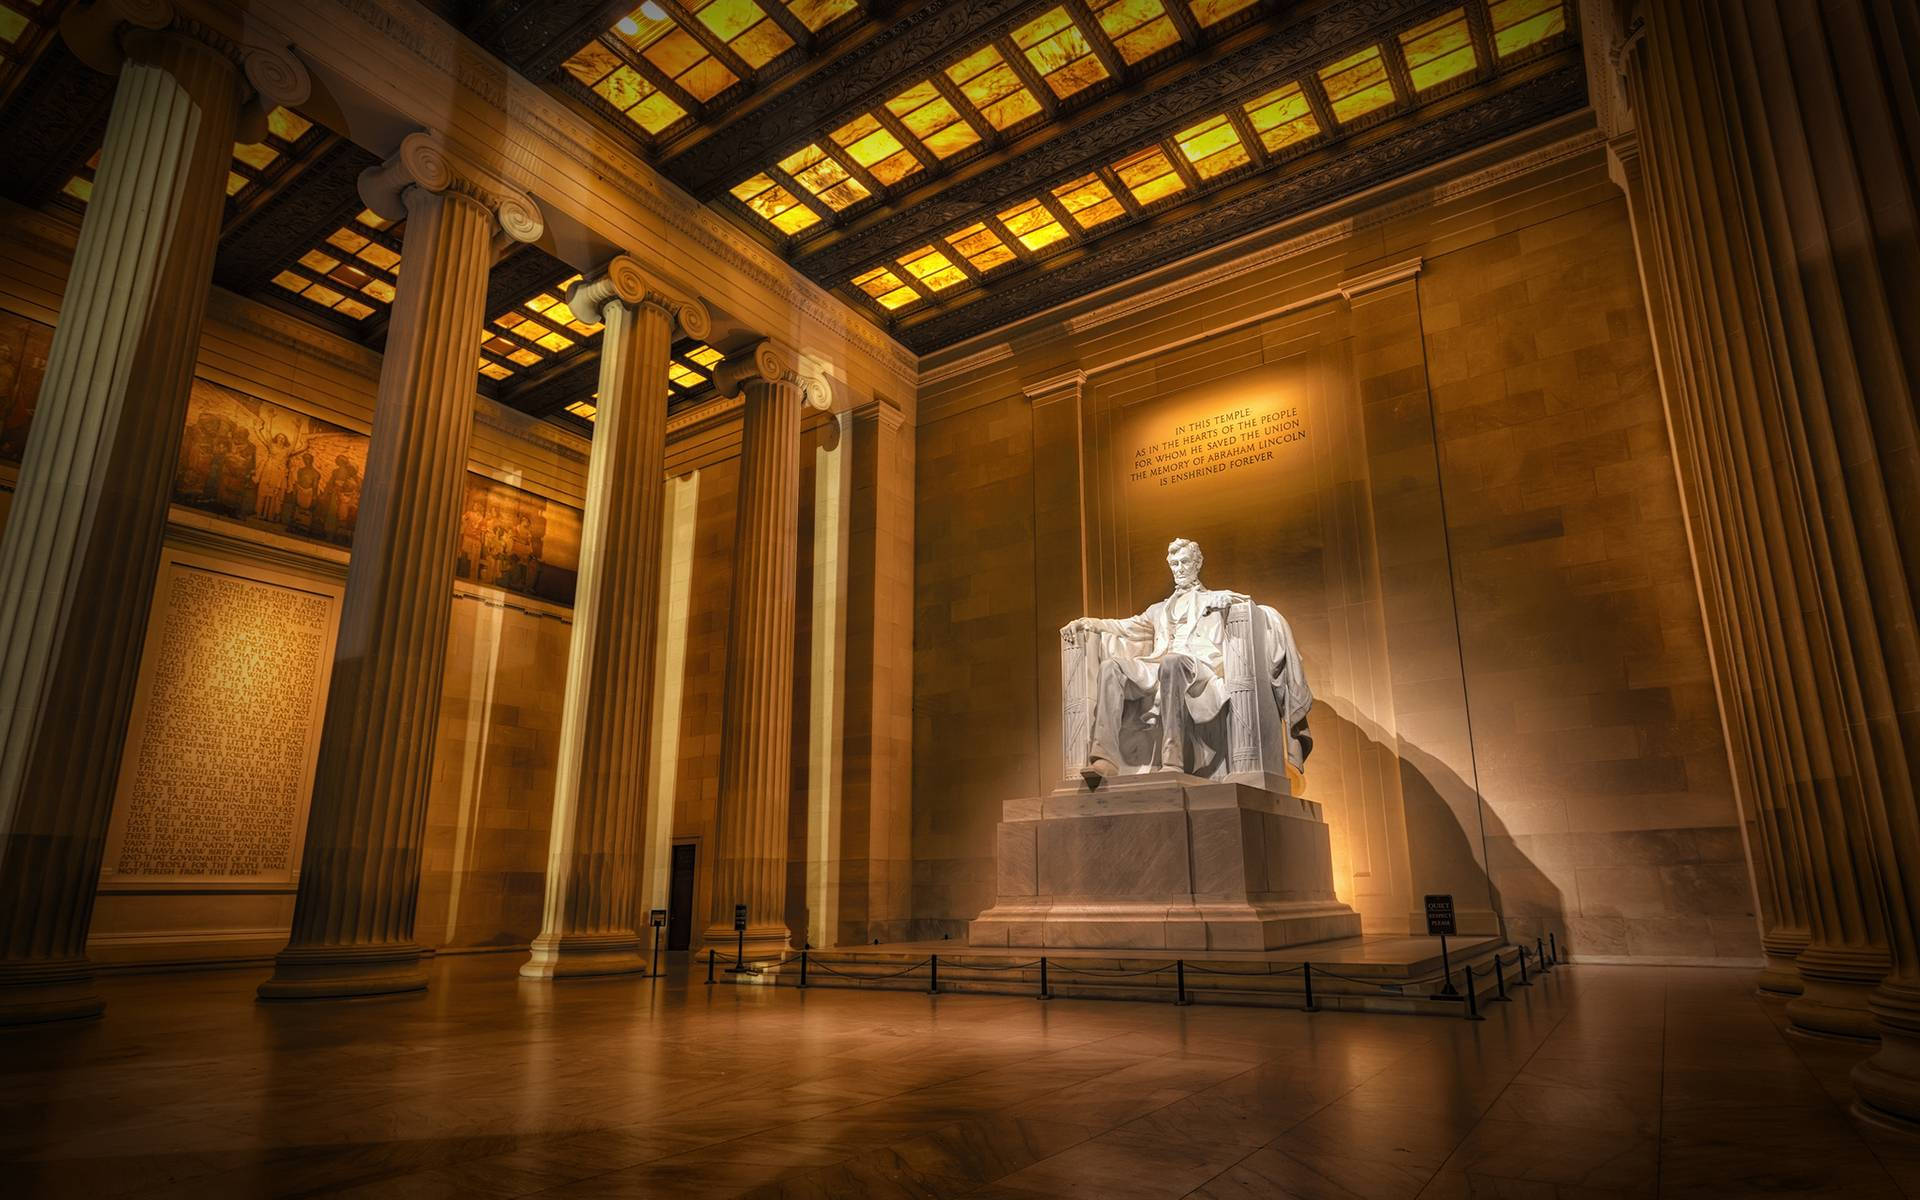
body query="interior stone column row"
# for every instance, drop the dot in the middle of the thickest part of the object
(82, 544)
(353, 922)
(1777, 230)
(750, 862)
(599, 801)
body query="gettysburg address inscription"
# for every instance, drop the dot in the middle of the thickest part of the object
(1214, 443)
(214, 784)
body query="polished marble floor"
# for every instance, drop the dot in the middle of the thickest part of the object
(1599, 1082)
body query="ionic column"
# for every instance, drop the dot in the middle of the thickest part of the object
(82, 543)
(599, 809)
(750, 865)
(353, 919)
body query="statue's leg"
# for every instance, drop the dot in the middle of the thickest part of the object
(1115, 688)
(1176, 675)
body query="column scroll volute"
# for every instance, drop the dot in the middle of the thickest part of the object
(765, 361)
(422, 161)
(623, 280)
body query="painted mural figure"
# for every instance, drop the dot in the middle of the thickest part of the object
(1160, 700)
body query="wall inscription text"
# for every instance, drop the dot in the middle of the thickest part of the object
(1218, 442)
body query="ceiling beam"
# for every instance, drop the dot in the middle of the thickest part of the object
(536, 36)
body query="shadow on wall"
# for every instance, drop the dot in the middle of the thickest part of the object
(1527, 901)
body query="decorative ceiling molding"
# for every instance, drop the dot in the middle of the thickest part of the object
(323, 196)
(1317, 35)
(972, 362)
(1124, 256)
(443, 51)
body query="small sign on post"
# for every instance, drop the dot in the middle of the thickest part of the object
(740, 918)
(740, 966)
(657, 918)
(1440, 924)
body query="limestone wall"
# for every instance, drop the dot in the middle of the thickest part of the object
(1475, 533)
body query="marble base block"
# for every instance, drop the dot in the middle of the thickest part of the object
(1164, 862)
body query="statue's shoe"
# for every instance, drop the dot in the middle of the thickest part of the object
(1097, 770)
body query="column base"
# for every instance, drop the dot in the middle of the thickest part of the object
(584, 956)
(1781, 975)
(1886, 1087)
(1837, 989)
(763, 941)
(34, 993)
(345, 972)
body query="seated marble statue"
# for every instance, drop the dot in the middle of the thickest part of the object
(1205, 683)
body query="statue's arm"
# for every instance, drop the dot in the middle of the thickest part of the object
(1130, 628)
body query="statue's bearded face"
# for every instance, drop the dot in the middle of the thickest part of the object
(1185, 565)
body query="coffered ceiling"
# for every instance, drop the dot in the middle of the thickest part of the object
(945, 165)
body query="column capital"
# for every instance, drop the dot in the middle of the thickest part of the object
(766, 362)
(621, 279)
(104, 32)
(422, 161)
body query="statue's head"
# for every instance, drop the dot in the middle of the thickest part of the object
(1184, 560)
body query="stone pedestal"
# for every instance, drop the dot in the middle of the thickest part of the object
(1164, 862)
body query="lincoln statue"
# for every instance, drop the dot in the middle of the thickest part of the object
(1160, 696)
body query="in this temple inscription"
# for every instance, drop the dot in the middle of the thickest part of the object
(1216, 443)
(219, 765)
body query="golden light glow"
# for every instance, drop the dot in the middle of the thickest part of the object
(1212, 12)
(824, 176)
(1281, 118)
(1059, 52)
(1149, 175)
(934, 270)
(1518, 24)
(1357, 85)
(1438, 50)
(884, 286)
(1033, 223)
(931, 117)
(602, 70)
(1137, 28)
(349, 273)
(775, 204)
(583, 409)
(1213, 147)
(981, 247)
(991, 85)
(1088, 201)
(876, 148)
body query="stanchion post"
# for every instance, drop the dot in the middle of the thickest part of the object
(803, 966)
(1499, 978)
(1524, 981)
(1473, 1002)
(1306, 977)
(656, 951)
(1044, 994)
(1553, 948)
(933, 978)
(1446, 991)
(1180, 981)
(709, 964)
(1540, 956)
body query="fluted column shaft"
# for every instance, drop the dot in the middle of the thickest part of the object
(599, 801)
(82, 542)
(360, 877)
(1781, 146)
(757, 723)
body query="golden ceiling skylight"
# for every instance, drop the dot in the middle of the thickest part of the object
(674, 52)
(1136, 28)
(775, 205)
(352, 272)
(626, 89)
(884, 286)
(1088, 201)
(934, 270)
(1281, 118)
(931, 117)
(981, 247)
(1059, 52)
(818, 14)
(1212, 12)
(1438, 50)
(1357, 85)
(1033, 223)
(991, 85)
(253, 162)
(14, 21)
(691, 369)
(876, 148)
(746, 29)
(586, 410)
(824, 176)
(1213, 147)
(1149, 175)
(532, 331)
(1518, 24)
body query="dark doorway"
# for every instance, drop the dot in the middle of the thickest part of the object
(680, 899)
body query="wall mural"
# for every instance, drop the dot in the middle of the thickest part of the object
(249, 460)
(263, 465)
(23, 363)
